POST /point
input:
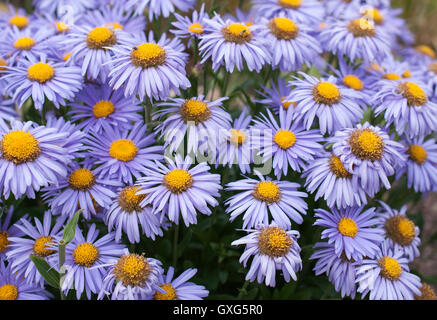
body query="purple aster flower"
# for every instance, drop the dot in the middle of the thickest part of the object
(81, 189)
(333, 182)
(38, 239)
(301, 11)
(197, 118)
(272, 248)
(7, 230)
(7, 109)
(351, 230)
(334, 105)
(234, 44)
(42, 80)
(399, 231)
(180, 189)
(419, 55)
(17, 18)
(157, 8)
(97, 104)
(339, 269)
(149, 68)
(13, 287)
(406, 104)
(132, 277)
(85, 258)
(179, 288)
(32, 156)
(121, 154)
(368, 152)
(278, 96)
(421, 166)
(256, 198)
(190, 28)
(387, 276)
(126, 213)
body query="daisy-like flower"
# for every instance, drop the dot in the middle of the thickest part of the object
(287, 142)
(351, 230)
(81, 189)
(149, 68)
(132, 277)
(121, 154)
(84, 258)
(277, 97)
(389, 69)
(387, 276)
(157, 8)
(291, 44)
(180, 189)
(126, 212)
(339, 269)
(7, 108)
(406, 104)
(256, 198)
(368, 152)
(98, 103)
(302, 11)
(179, 288)
(15, 18)
(7, 230)
(421, 166)
(39, 240)
(272, 248)
(418, 56)
(196, 118)
(400, 232)
(334, 105)
(13, 287)
(31, 156)
(42, 79)
(190, 28)
(234, 44)
(333, 182)
(356, 38)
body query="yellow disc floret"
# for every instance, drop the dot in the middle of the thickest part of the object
(284, 28)
(101, 37)
(374, 15)
(115, 25)
(287, 104)
(8, 292)
(178, 180)
(400, 229)
(24, 43)
(103, 108)
(196, 28)
(148, 55)
(3, 64)
(238, 137)
(391, 76)
(417, 153)
(337, 167)
(237, 32)
(274, 242)
(41, 246)
(361, 28)
(290, 4)
(414, 94)
(81, 179)
(406, 74)
(19, 147)
(347, 227)
(284, 139)
(130, 200)
(170, 295)
(4, 242)
(426, 293)
(123, 150)
(366, 144)
(353, 82)
(40, 72)
(426, 50)
(132, 270)
(390, 268)
(267, 191)
(195, 110)
(85, 254)
(326, 93)
(61, 27)
(20, 22)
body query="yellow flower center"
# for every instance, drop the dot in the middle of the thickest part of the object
(81, 179)
(115, 25)
(361, 28)
(40, 72)
(19, 147)
(284, 139)
(8, 292)
(24, 43)
(267, 191)
(4, 242)
(426, 50)
(390, 268)
(337, 167)
(326, 93)
(366, 144)
(353, 82)
(406, 74)
(132, 270)
(287, 104)
(196, 28)
(103, 108)
(237, 137)
(284, 28)
(148, 55)
(66, 56)
(123, 150)
(347, 227)
(417, 153)
(375, 15)
(290, 4)
(170, 295)
(274, 242)
(178, 180)
(3, 64)
(237, 32)
(129, 200)
(61, 27)
(400, 229)
(20, 22)
(195, 110)
(85, 255)
(414, 94)
(100, 37)
(427, 293)
(391, 76)
(41, 248)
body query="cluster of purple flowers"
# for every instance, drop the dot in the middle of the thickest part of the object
(126, 137)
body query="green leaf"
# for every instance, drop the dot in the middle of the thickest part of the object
(70, 229)
(48, 273)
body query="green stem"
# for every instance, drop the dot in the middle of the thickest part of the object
(61, 254)
(175, 245)
(243, 290)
